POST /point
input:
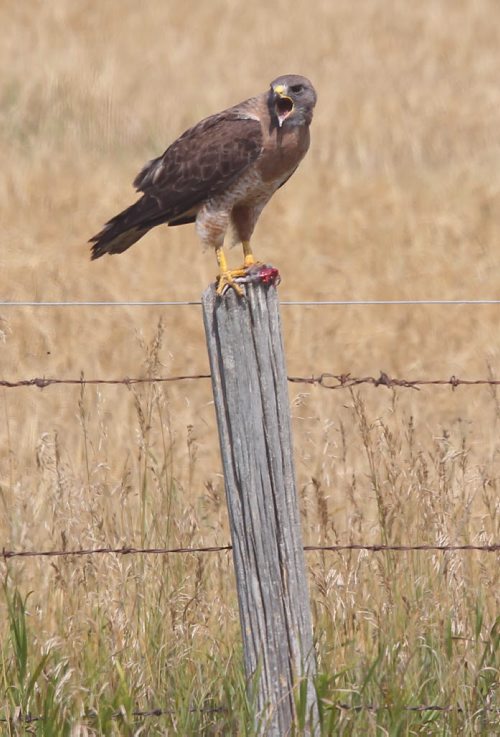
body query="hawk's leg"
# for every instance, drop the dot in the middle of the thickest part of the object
(227, 277)
(247, 252)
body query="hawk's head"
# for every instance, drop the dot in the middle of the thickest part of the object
(291, 100)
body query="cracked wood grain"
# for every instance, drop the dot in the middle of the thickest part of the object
(249, 383)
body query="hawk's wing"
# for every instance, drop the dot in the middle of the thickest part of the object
(203, 162)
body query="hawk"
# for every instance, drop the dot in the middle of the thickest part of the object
(221, 173)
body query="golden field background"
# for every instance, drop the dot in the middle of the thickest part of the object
(398, 198)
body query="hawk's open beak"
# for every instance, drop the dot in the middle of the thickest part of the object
(283, 103)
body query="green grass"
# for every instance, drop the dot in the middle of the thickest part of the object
(207, 696)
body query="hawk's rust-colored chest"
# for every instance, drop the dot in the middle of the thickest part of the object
(283, 150)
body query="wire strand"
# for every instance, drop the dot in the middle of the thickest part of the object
(286, 303)
(130, 550)
(90, 714)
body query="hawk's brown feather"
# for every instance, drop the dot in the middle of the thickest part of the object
(203, 162)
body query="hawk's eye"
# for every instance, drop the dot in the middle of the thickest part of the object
(297, 88)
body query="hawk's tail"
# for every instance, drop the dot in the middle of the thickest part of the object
(121, 231)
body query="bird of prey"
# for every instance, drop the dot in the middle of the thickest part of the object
(221, 173)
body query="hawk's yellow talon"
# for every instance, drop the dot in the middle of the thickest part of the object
(226, 281)
(226, 278)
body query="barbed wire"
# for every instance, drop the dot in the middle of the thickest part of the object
(324, 380)
(339, 705)
(42, 383)
(130, 550)
(346, 380)
(90, 714)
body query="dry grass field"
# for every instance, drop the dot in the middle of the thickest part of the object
(398, 198)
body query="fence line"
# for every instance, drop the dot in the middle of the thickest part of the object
(130, 550)
(325, 380)
(285, 303)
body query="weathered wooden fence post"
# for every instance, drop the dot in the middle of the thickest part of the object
(251, 399)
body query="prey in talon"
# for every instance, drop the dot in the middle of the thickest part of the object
(220, 174)
(257, 272)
